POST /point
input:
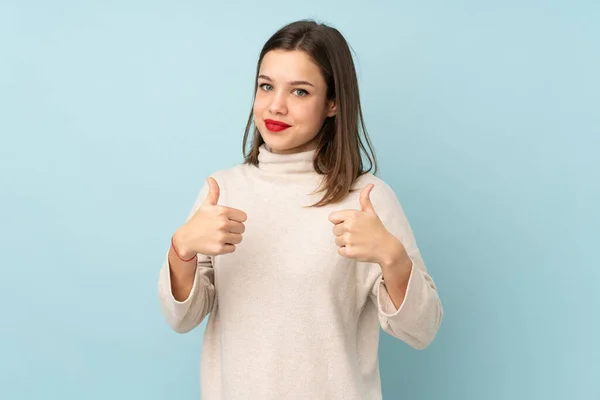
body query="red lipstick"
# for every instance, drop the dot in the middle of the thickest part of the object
(275, 126)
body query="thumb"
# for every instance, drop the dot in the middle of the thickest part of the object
(214, 192)
(365, 200)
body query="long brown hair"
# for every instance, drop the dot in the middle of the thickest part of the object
(338, 154)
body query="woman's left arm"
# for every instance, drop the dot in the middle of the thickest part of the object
(380, 236)
(408, 303)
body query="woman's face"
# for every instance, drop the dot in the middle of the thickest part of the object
(290, 105)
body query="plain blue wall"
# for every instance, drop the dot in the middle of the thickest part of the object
(485, 116)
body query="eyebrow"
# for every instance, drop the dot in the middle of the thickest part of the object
(291, 83)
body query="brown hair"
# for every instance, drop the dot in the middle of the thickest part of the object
(338, 153)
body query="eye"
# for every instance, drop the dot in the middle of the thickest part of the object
(265, 86)
(300, 92)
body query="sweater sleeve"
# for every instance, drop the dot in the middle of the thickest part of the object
(417, 320)
(183, 316)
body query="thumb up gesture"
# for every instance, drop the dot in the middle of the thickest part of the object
(360, 234)
(213, 229)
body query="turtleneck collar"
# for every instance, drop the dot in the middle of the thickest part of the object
(298, 163)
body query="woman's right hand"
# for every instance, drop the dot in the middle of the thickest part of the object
(212, 230)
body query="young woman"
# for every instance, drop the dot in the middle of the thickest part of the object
(299, 254)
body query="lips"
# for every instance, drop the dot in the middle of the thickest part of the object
(276, 126)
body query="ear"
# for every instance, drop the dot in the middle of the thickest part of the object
(331, 108)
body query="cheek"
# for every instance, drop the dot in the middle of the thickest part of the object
(260, 105)
(312, 113)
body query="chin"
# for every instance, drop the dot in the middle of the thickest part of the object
(285, 142)
(278, 147)
(276, 141)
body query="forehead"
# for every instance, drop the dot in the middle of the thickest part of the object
(289, 66)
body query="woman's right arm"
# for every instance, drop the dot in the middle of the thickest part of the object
(186, 288)
(186, 291)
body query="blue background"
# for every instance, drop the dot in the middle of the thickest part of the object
(485, 117)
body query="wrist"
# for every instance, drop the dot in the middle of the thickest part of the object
(394, 254)
(181, 251)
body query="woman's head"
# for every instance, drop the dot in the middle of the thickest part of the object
(306, 81)
(291, 91)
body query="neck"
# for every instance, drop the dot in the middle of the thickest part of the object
(294, 163)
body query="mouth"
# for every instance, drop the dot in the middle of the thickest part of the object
(276, 126)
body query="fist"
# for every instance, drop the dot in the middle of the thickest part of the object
(360, 234)
(213, 229)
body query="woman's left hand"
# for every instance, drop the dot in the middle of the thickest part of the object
(361, 235)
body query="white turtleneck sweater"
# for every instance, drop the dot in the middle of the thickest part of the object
(289, 318)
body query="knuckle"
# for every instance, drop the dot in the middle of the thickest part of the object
(221, 238)
(348, 238)
(222, 249)
(222, 224)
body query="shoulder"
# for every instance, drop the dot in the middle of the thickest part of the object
(230, 180)
(230, 176)
(227, 179)
(389, 209)
(381, 193)
(229, 173)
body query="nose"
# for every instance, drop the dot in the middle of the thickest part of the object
(278, 105)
